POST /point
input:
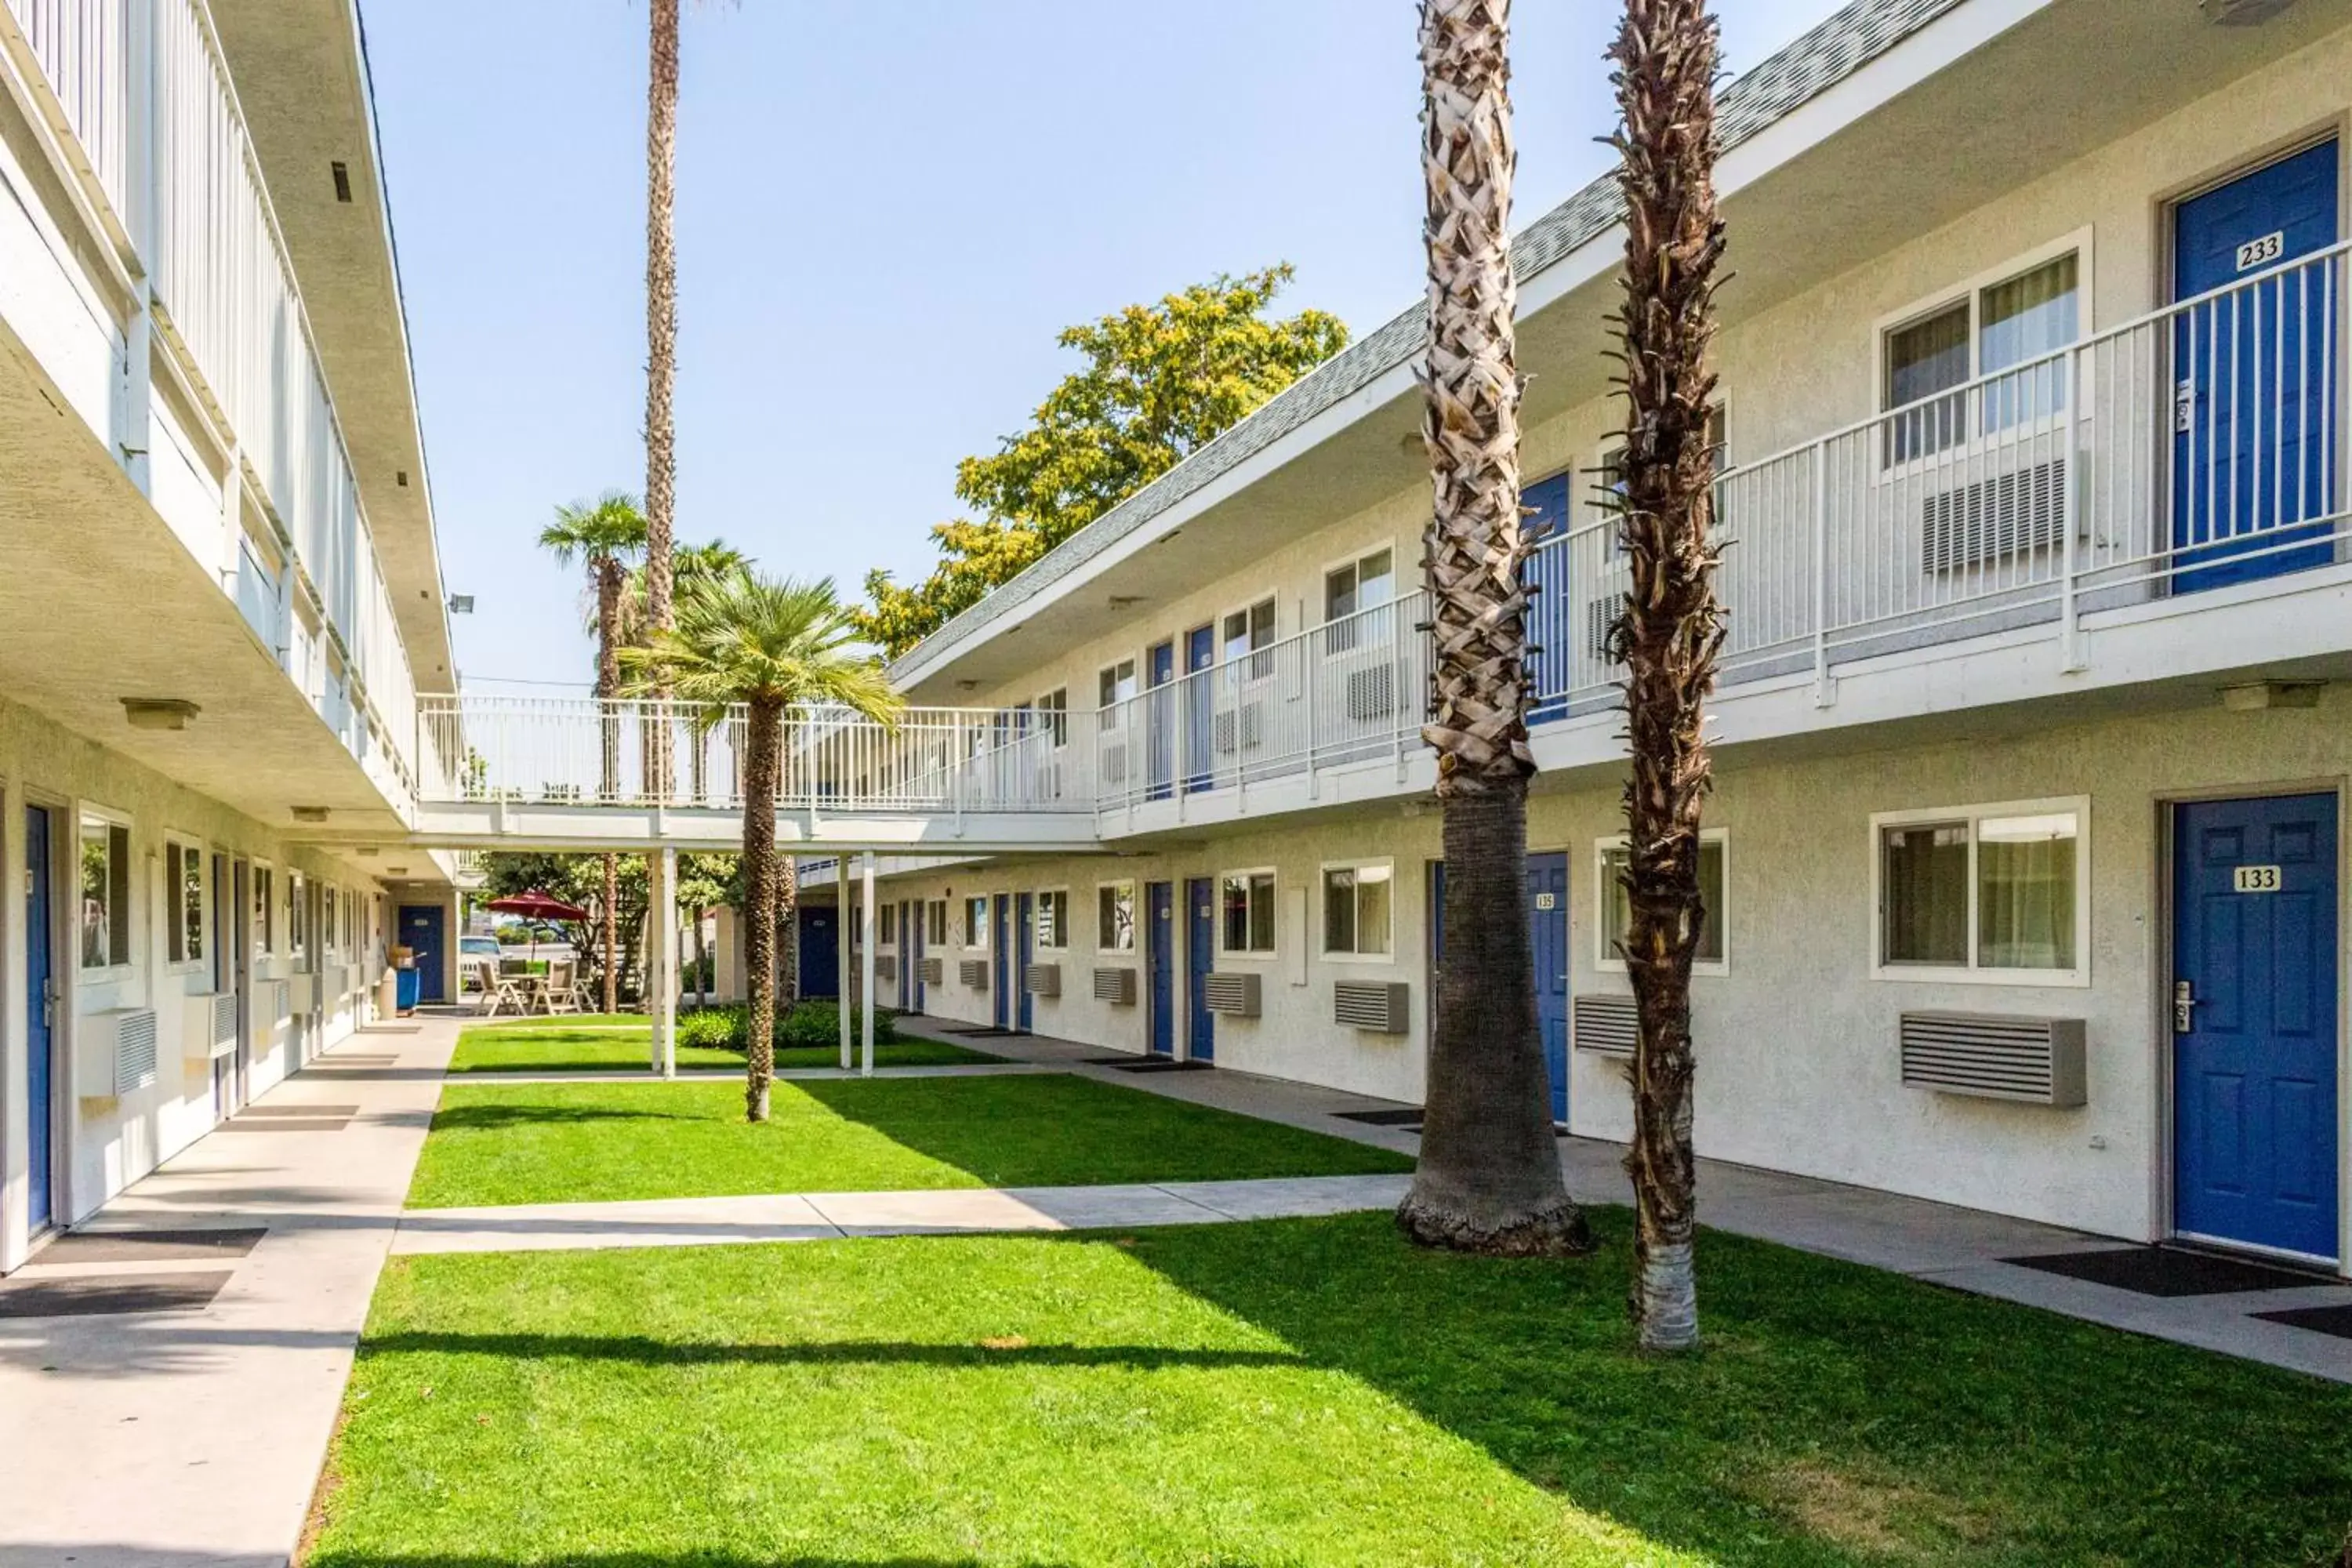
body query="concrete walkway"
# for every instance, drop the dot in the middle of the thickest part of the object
(195, 1437)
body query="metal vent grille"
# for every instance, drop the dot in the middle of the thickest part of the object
(1599, 618)
(2036, 1062)
(1238, 730)
(1607, 1025)
(1236, 995)
(1371, 693)
(974, 973)
(934, 971)
(1994, 518)
(223, 1023)
(134, 1049)
(1116, 986)
(1378, 1007)
(1042, 980)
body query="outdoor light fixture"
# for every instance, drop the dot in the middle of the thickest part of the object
(2258, 695)
(461, 603)
(310, 813)
(159, 713)
(2242, 13)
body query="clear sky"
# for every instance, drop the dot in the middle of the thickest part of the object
(886, 209)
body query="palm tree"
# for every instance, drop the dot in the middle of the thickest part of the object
(694, 565)
(1672, 625)
(606, 533)
(1488, 1179)
(661, 308)
(768, 646)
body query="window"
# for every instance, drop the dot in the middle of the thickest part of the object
(1366, 583)
(105, 893)
(1356, 911)
(1248, 923)
(1113, 687)
(936, 917)
(298, 916)
(1115, 917)
(2014, 322)
(265, 910)
(1054, 715)
(1616, 906)
(1991, 892)
(889, 924)
(975, 920)
(330, 929)
(1053, 916)
(1248, 632)
(184, 895)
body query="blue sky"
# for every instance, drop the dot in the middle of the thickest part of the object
(886, 209)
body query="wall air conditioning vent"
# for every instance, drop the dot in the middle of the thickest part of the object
(1042, 980)
(134, 1049)
(1235, 995)
(1371, 693)
(886, 969)
(1995, 519)
(224, 1040)
(1238, 730)
(935, 970)
(1116, 986)
(1375, 1007)
(1599, 618)
(2037, 1061)
(1605, 1024)
(1114, 765)
(974, 973)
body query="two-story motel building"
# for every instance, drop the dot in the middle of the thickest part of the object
(221, 597)
(2026, 866)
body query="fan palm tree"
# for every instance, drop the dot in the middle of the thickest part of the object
(606, 533)
(1488, 1179)
(768, 647)
(1671, 626)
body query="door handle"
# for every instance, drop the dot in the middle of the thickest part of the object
(2184, 1005)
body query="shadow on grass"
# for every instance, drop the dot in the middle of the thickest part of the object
(491, 1117)
(1837, 1414)
(648, 1352)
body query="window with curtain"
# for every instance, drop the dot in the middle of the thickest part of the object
(105, 893)
(1248, 911)
(2022, 320)
(1617, 904)
(2025, 892)
(1246, 634)
(975, 920)
(1988, 890)
(1922, 360)
(1115, 917)
(2013, 324)
(1356, 911)
(1924, 892)
(1053, 916)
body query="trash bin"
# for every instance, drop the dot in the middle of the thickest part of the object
(409, 976)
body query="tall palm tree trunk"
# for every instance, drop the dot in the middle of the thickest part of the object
(610, 582)
(1671, 627)
(760, 893)
(661, 354)
(1488, 1179)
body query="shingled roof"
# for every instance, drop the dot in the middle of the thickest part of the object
(1806, 68)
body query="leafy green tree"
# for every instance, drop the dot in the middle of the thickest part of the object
(1159, 383)
(580, 879)
(704, 882)
(768, 647)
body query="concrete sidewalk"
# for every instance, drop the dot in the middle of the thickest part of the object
(195, 1437)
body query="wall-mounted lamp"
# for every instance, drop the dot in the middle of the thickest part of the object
(159, 713)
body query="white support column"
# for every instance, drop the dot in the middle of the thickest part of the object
(866, 964)
(841, 948)
(661, 959)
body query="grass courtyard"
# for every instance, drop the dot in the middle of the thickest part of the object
(1291, 1393)
(538, 1142)
(566, 1045)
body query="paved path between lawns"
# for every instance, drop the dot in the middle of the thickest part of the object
(1963, 1249)
(163, 1439)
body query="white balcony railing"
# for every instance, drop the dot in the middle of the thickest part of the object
(182, 189)
(635, 752)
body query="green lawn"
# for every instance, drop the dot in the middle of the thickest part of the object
(1294, 1393)
(540, 1045)
(521, 1143)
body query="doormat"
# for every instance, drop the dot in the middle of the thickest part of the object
(2332, 1321)
(981, 1031)
(1410, 1117)
(1161, 1064)
(111, 1295)
(149, 1246)
(2167, 1271)
(299, 1111)
(286, 1124)
(1125, 1060)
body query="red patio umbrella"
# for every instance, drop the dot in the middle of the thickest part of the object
(534, 905)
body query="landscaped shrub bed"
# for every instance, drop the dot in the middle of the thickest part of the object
(808, 1024)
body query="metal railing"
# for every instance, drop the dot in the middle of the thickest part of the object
(640, 752)
(2195, 447)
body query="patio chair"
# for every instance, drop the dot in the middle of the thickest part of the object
(501, 993)
(561, 991)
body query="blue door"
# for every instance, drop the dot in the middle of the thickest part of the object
(906, 964)
(2254, 397)
(1551, 611)
(1200, 653)
(1001, 957)
(421, 930)
(1159, 741)
(40, 1012)
(913, 943)
(1200, 957)
(1024, 937)
(1547, 878)
(2254, 923)
(1160, 935)
(820, 946)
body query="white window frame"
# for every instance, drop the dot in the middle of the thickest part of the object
(1970, 291)
(118, 964)
(1134, 915)
(297, 915)
(1322, 914)
(1274, 918)
(1036, 907)
(976, 931)
(1242, 676)
(2076, 978)
(1607, 962)
(264, 937)
(935, 929)
(1336, 647)
(1108, 711)
(175, 911)
(1054, 722)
